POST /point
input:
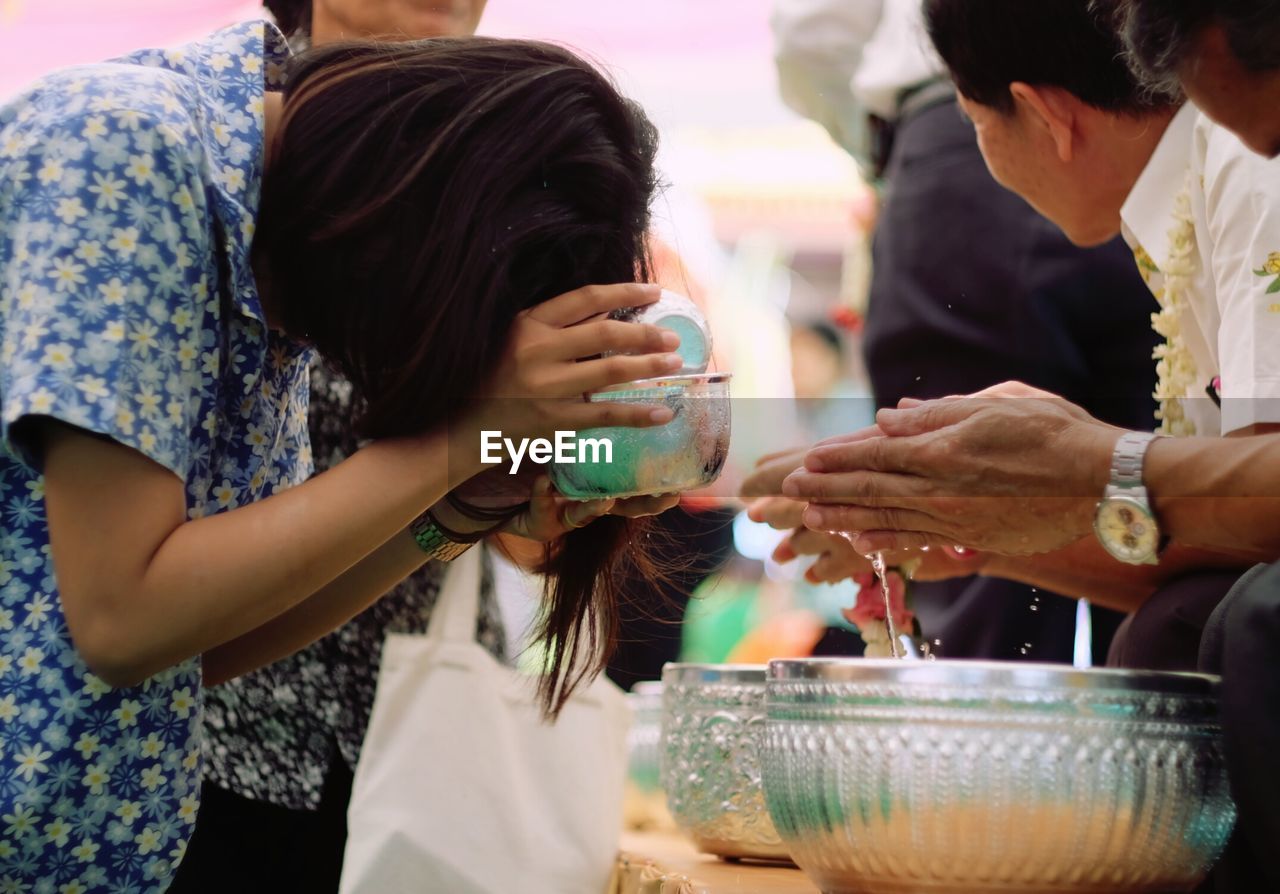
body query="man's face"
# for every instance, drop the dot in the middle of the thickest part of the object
(1023, 157)
(1244, 102)
(400, 19)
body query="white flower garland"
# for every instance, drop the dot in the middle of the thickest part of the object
(876, 636)
(1175, 367)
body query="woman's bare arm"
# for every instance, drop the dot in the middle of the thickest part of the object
(143, 588)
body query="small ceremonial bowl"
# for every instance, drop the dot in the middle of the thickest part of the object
(684, 318)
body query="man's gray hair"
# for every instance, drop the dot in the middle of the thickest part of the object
(1160, 34)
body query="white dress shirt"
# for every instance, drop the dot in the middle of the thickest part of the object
(1231, 320)
(839, 60)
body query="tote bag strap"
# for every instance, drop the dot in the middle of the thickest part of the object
(458, 606)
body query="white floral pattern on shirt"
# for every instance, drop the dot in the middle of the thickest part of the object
(128, 308)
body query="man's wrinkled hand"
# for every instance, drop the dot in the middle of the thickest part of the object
(1014, 476)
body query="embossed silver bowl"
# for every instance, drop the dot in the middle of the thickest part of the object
(644, 738)
(712, 719)
(887, 777)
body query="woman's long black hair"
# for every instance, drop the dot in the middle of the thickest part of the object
(421, 194)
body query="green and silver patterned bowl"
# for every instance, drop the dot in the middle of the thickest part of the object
(686, 453)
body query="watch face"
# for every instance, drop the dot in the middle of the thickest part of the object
(1127, 530)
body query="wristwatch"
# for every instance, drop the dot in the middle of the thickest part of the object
(439, 542)
(1124, 521)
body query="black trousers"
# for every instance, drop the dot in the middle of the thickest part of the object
(1242, 643)
(252, 847)
(1165, 632)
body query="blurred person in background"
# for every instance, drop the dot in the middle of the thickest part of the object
(820, 373)
(969, 287)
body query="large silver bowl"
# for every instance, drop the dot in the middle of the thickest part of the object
(886, 777)
(712, 719)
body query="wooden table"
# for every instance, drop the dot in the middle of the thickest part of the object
(666, 863)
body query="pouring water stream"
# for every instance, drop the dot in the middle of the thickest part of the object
(877, 563)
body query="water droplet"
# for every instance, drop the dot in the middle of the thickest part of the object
(1035, 608)
(918, 378)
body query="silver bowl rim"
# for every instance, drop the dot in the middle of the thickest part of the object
(1002, 674)
(694, 672)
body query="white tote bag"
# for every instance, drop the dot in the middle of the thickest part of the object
(462, 788)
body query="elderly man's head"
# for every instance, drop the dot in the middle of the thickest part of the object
(1061, 118)
(1224, 54)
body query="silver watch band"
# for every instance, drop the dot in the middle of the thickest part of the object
(434, 541)
(1126, 459)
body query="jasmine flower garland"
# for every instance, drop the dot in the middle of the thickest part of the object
(1175, 367)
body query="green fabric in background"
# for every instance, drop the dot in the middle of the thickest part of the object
(721, 612)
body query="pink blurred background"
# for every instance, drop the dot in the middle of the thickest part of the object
(741, 166)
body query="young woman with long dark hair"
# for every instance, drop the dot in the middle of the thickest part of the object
(281, 742)
(175, 239)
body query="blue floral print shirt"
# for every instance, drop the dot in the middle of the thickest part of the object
(128, 194)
